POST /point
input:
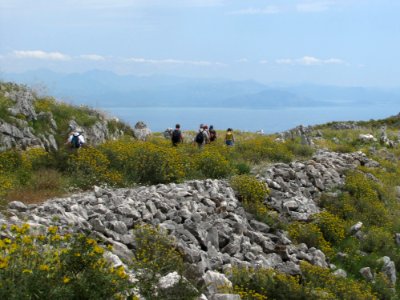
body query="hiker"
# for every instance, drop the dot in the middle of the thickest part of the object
(76, 140)
(201, 137)
(229, 139)
(207, 133)
(213, 134)
(176, 136)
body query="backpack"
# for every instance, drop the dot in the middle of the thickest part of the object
(75, 143)
(176, 136)
(199, 137)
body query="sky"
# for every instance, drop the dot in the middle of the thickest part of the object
(342, 42)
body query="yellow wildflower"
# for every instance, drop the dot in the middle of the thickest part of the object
(66, 279)
(44, 268)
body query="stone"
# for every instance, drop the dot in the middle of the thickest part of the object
(340, 273)
(214, 281)
(367, 274)
(259, 226)
(18, 205)
(389, 269)
(141, 132)
(225, 297)
(356, 227)
(169, 280)
(367, 138)
(118, 227)
(113, 259)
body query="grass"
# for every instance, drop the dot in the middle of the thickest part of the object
(44, 184)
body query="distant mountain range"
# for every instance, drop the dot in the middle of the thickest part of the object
(106, 89)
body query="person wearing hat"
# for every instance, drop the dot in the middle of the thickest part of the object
(76, 139)
(202, 137)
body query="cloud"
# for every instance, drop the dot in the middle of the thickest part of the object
(256, 11)
(284, 61)
(39, 54)
(173, 62)
(314, 6)
(305, 6)
(94, 57)
(309, 61)
(263, 61)
(242, 60)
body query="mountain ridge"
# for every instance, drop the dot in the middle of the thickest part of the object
(107, 89)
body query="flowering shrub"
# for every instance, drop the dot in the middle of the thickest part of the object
(35, 158)
(249, 188)
(156, 256)
(252, 193)
(89, 166)
(155, 164)
(331, 226)
(212, 164)
(310, 234)
(360, 202)
(263, 148)
(378, 240)
(341, 288)
(315, 283)
(260, 284)
(60, 266)
(10, 169)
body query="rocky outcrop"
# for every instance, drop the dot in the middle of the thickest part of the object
(23, 99)
(295, 187)
(141, 131)
(305, 134)
(17, 131)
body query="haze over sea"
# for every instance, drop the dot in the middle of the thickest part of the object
(269, 120)
(271, 65)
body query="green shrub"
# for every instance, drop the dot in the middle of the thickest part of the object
(60, 266)
(260, 284)
(311, 235)
(5, 104)
(242, 168)
(114, 125)
(249, 188)
(299, 149)
(331, 226)
(360, 202)
(342, 288)
(156, 256)
(154, 164)
(378, 240)
(252, 193)
(212, 164)
(260, 149)
(89, 166)
(383, 287)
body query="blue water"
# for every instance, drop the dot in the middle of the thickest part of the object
(269, 120)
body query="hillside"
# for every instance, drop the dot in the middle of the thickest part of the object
(28, 120)
(311, 213)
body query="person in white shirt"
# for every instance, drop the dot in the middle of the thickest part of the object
(76, 139)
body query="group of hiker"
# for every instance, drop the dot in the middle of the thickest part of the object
(205, 135)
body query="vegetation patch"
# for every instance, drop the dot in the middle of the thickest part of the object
(60, 266)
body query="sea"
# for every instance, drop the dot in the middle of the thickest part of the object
(268, 120)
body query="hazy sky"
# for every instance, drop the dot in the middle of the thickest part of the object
(344, 42)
